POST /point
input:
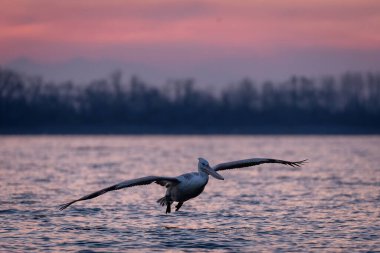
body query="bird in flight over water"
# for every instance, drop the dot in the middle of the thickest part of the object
(187, 186)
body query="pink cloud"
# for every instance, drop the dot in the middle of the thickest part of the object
(59, 30)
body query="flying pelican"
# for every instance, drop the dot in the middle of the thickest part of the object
(187, 186)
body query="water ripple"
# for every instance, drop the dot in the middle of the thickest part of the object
(331, 204)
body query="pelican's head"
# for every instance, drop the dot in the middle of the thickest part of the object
(205, 167)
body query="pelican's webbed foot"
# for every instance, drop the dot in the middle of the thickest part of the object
(168, 207)
(178, 206)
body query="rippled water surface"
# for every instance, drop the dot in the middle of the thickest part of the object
(331, 204)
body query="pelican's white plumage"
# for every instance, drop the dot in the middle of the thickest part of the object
(186, 186)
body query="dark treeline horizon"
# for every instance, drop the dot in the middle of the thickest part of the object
(349, 100)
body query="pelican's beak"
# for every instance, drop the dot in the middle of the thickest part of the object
(213, 173)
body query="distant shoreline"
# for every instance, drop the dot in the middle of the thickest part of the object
(147, 130)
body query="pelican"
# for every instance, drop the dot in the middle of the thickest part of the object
(186, 186)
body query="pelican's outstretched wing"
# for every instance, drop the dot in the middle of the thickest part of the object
(164, 181)
(253, 162)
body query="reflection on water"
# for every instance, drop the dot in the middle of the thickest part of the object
(331, 203)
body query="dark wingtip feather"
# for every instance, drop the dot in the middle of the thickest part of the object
(299, 163)
(64, 206)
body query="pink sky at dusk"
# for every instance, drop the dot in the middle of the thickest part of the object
(214, 41)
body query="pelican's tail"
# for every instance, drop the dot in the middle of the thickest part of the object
(162, 201)
(165, 201)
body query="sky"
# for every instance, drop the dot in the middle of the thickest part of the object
(213, 41)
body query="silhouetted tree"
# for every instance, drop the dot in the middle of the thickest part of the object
(351, 100)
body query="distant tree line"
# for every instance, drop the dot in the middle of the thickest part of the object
(353, 99)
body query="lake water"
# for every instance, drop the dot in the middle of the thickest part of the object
(331, 204)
